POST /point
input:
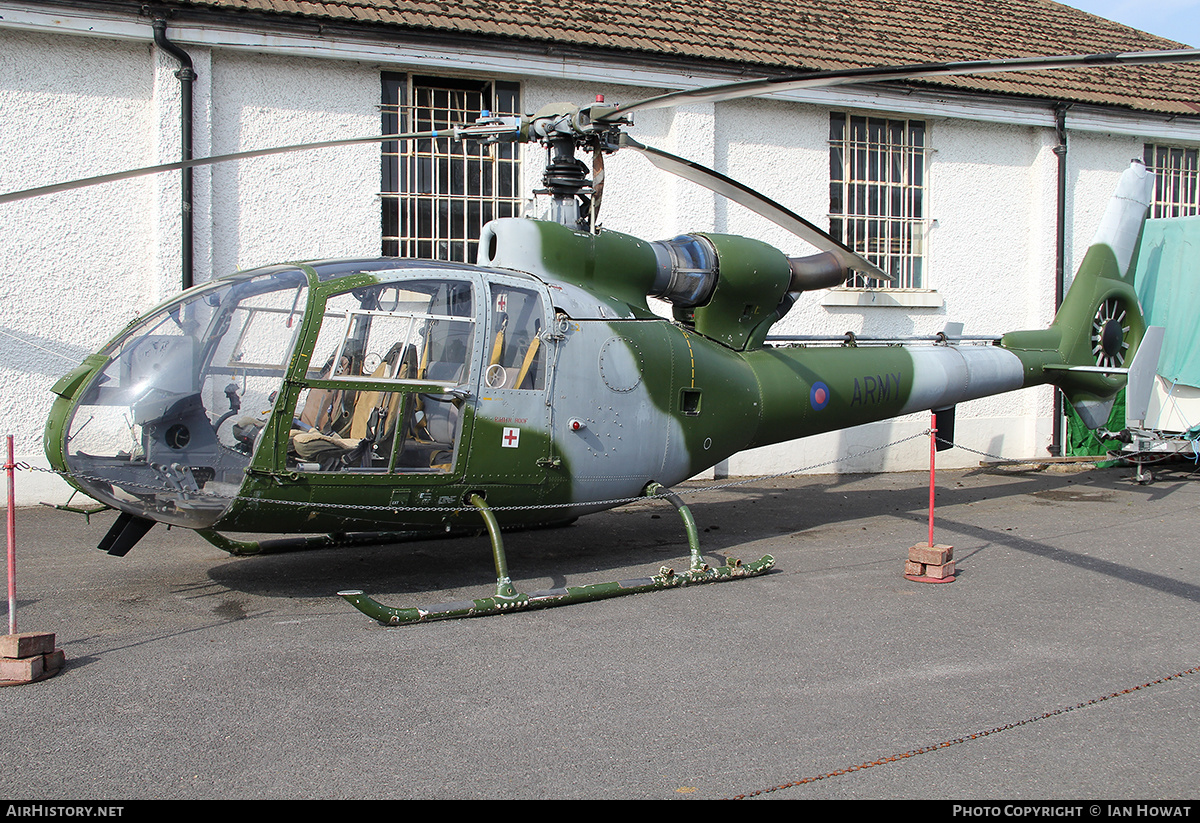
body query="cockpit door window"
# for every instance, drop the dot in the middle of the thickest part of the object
(388, 380)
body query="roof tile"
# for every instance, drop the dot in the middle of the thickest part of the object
(798, 35)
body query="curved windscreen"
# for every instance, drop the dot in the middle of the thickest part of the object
(168, 427)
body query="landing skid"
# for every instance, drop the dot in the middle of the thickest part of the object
(666, 579)
(250, 548)
(507, 599)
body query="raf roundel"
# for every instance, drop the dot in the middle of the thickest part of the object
(818, 397)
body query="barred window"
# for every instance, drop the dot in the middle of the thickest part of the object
(1176, 172)
(437, 194)
(877, 194)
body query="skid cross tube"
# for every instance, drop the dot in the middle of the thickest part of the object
(507, 599)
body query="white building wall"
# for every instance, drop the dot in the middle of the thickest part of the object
(77, 266)
(316, 204)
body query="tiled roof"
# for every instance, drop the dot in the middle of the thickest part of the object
(803, 34)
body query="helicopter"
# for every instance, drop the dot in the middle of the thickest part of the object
(369, 399)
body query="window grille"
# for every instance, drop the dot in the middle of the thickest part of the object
(1176, 172)
(437, 194)
(877, 195)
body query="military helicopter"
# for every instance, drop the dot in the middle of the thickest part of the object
(357, 399)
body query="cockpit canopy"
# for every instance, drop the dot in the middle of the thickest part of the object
(158, 419)
(371, 361)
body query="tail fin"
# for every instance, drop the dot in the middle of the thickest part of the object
(1142, 374)
(1097, 330)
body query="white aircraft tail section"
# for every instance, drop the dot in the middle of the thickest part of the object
(1142, 372)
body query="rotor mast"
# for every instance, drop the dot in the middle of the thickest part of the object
(566, 181)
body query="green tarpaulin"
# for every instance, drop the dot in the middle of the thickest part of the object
(1167, 279)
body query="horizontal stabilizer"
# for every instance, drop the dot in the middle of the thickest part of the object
(1086, 369)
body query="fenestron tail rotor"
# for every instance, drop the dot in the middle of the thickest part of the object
(1110, 333)
(1100, 324)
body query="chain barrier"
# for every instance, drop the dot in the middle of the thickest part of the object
(607, 503)
(976, 736)
(1081, 462)
(612, 502)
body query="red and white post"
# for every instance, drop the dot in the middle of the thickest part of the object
(10, 466)
(29, 657)
(929, 562)
(932, 463)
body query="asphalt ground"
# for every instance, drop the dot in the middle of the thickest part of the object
(193, 674)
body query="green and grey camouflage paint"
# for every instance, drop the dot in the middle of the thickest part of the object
(629, 398)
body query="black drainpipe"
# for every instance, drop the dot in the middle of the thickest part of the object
(187, 76)
(1060, 256)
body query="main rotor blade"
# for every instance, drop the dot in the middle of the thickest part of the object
(835, 77)
(759, 204)
(208, 161)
